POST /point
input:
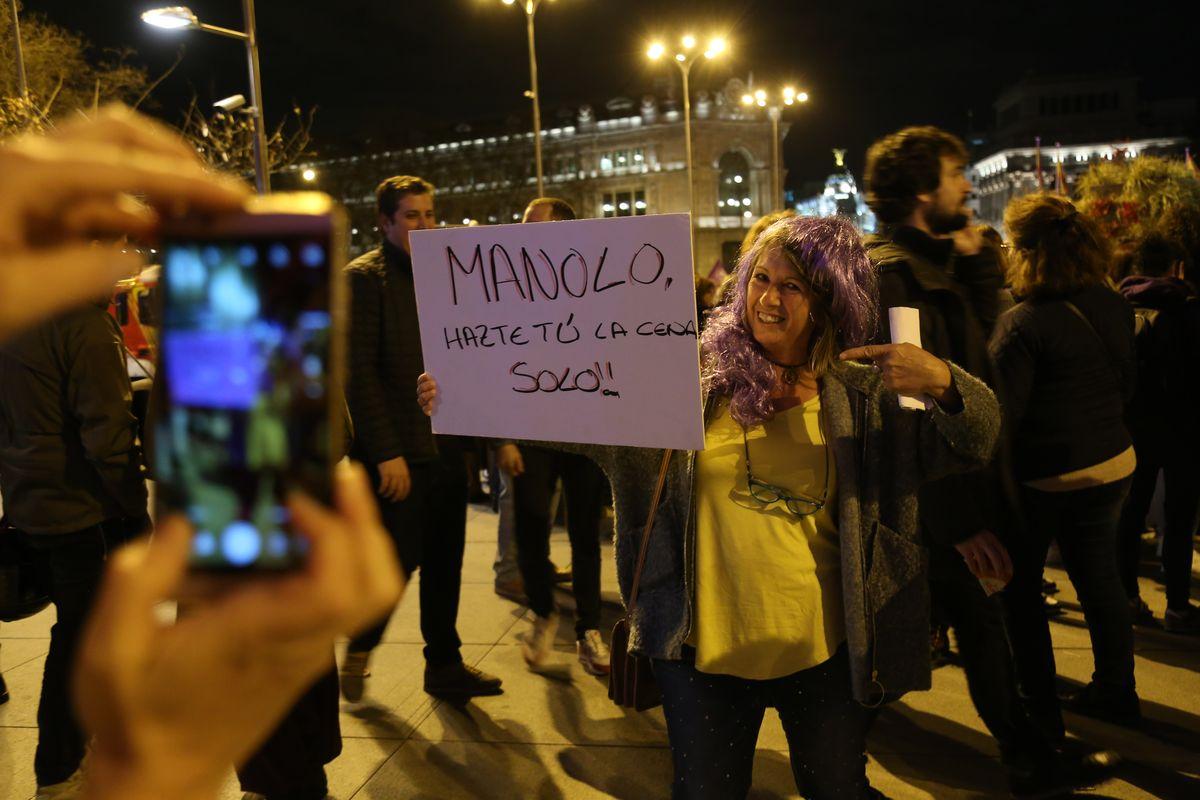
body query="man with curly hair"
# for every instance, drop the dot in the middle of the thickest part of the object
(930, 257)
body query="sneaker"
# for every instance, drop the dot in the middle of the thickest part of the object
(1186, 620)
(1063, 774)
(537, 643)
(1052, 607)
(354, 674)
(1092, 701)
(593, 653)
(1049, 587)
(1142, 615)
(563, 574)
(460, 681)
(3, 691)
(513, 590)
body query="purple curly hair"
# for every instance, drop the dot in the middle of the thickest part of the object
(828, 253)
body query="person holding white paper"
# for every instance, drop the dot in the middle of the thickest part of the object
(784, 567)
(929, 257)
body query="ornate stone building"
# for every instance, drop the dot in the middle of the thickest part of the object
(627, 160)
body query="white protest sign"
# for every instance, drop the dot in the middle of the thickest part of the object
(581, 331)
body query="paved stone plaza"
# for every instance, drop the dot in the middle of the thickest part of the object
(557, 736)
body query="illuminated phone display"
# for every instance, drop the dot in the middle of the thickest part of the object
(247, 390)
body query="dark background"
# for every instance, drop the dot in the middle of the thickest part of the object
(405, 71)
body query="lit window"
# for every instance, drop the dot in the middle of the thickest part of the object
(606, 162)
(733, 168)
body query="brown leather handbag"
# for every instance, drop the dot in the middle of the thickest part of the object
(631, 679)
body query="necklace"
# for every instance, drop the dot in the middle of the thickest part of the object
(791, 372)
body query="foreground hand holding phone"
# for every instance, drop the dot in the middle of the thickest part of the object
(172, 707)
(65, 198)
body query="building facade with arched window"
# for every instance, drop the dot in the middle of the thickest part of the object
(626, 161)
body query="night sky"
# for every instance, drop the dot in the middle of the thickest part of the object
(404, 71)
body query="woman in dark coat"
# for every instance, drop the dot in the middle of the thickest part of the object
(1065, 362)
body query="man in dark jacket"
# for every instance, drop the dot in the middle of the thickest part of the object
(1162, 419)
(930, 258)
(421, 482)
(71, 478)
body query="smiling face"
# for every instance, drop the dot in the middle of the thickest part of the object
(777, 308)
(414, 212)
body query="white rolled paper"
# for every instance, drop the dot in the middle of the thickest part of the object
(905, 323)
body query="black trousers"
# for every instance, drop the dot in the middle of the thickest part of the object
(978, 623)
(713, 723)
(583, 485)
(290, 764)
(429, 529)
(1181, 515)
(1084, 523)
(75, 564)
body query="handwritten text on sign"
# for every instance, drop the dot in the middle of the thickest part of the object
(579, 331)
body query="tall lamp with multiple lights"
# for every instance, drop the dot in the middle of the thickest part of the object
(787, 98)
(530, 7)
(687, 55)
(182, 18)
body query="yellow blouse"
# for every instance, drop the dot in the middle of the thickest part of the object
(768, 583)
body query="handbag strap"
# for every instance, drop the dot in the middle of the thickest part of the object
(641, 562)
(1099, 339)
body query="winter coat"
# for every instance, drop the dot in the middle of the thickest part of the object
(384, 359)
(1064, 383)
(959, 299)
(882, 455)
(1167, 339)
(69, 456)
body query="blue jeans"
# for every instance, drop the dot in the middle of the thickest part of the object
(713, 723)
(505, 565)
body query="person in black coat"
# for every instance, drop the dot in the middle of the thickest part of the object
(1162, 418)
(929, 257)
(1065, 357)
(71, 478)
(421, 480)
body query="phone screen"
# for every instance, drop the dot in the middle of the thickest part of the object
(245, 344)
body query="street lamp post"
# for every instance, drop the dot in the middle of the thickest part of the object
(16, 22)
(760, 98)
(685, 57)
(182, 18)
(530, 7)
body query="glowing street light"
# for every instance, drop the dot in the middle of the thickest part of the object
(172, 18)
(309, 174)
(530, 8)
(685, 57)
(181, 18)
(760, 98)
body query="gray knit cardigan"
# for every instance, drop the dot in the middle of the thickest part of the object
(882, 455)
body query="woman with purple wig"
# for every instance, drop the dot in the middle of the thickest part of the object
(784, 568)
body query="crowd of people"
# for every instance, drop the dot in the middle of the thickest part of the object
(800, 561)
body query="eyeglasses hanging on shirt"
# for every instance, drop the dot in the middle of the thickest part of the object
(766, 494)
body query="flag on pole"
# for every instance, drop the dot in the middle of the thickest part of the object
(1037, 154)
(1060, 177)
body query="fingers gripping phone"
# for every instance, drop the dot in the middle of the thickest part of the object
(248, 396)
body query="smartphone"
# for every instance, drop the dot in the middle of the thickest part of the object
(248, 402)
